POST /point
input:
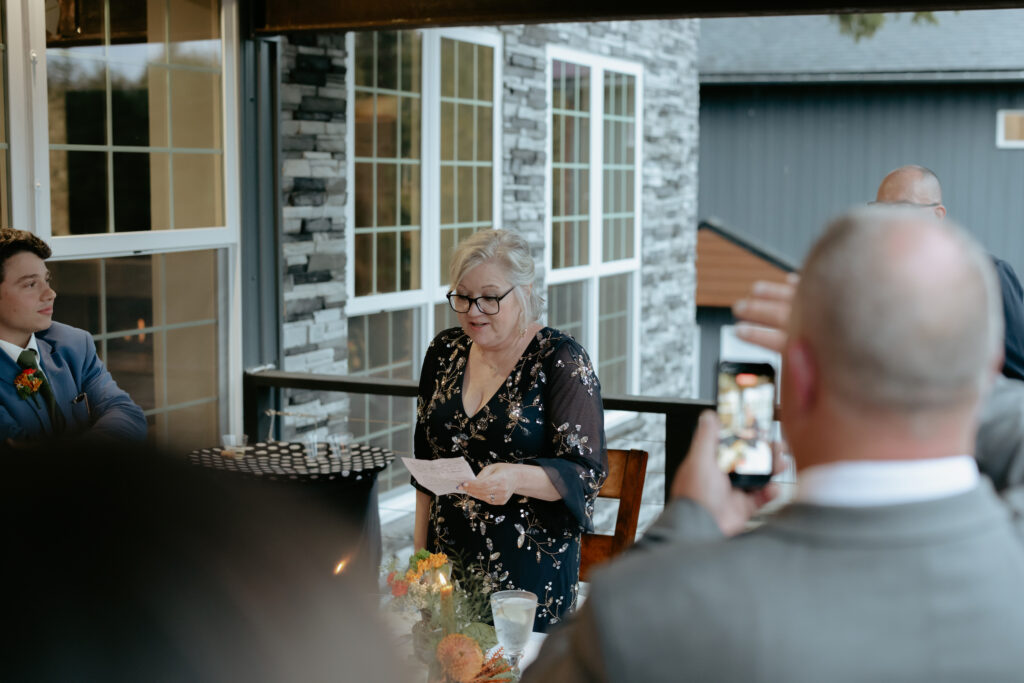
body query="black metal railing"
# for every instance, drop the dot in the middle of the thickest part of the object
(258, 388)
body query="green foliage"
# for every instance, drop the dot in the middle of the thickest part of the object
(483, 634)
(414, 559)
(859, 26)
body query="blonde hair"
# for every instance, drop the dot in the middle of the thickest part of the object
(510, 252)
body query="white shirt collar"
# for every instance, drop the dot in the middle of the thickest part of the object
(13, 350)
(886, 482)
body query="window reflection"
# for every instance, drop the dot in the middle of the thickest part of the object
(140, 91)
(155, 323)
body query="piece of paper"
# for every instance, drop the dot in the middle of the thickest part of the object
(441, 476)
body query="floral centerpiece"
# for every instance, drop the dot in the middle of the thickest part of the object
(451, 636)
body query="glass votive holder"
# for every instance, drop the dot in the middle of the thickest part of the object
(313, 443)
(233, 445)
(335, 445)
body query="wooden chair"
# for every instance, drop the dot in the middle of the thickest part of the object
(626, 473)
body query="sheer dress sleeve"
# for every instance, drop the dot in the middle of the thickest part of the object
(421, 447)
(576, 460)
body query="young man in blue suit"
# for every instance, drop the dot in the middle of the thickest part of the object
(52, 383)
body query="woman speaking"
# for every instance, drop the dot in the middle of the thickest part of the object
(521, 403)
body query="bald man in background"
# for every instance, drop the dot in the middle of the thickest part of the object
(918, 187)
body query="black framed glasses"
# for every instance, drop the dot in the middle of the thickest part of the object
(488, 305)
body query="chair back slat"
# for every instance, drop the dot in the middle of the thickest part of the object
(627, 470)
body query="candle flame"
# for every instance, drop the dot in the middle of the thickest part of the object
(340, 567)
(444, 582)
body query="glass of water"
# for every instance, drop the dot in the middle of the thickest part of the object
(513, 613)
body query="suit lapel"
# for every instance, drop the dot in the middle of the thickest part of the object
(21, 409)
(59, 377)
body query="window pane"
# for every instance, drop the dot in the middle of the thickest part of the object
(466, 143)
(1013, 126)
(197, 190)
(77, 100)
(155, 322)
(618, 167)
(444, 318)
(570, 196)
(130, 361)
(78, 192)
(388, 113)
(566, 309)
(129, 293)
(195, 110)
(132, 184)
(148, 78)
(77, 284)
(380, 345)
(613, 331)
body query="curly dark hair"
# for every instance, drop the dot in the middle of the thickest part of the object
(16, 241)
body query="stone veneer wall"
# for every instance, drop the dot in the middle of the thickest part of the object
(313, 94)
(314, 193)
(668, 51)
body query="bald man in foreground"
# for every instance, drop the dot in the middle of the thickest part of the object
(919, 187)
(895, 562)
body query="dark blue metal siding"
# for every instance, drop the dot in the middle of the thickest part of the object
(776, 162)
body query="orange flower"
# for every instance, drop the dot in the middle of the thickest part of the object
(434, 561)
(391, 577)
(399, 588)
(460, 657)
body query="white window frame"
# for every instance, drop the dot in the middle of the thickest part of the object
(1001, 141)
(30, 187)
(432, 286)
(596, 269)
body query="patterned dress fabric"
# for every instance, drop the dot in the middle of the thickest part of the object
(547, 414)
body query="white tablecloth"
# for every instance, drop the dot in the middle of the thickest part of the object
(532, 649)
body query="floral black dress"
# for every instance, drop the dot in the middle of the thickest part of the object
(547, 413)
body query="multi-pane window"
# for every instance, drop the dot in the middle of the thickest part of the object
(595, 124)
(155, 324)
(570, 164)
(467, 150)
(135, 119)
(425, 109)
(388, 105)
(424, 140)
(382, 345)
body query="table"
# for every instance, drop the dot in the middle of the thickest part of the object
(348, 483)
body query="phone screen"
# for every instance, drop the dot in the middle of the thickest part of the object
(746, 408)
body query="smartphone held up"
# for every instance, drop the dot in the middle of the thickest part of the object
(746, 409)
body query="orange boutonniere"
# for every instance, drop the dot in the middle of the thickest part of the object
(27, 384)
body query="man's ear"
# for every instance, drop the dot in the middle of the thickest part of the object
(940, 212)
(800, 377)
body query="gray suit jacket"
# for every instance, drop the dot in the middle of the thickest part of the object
(928, 591)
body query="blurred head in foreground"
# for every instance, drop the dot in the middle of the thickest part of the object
(896, 333)
(135, 567)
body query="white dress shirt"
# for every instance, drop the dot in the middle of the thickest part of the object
(13, 350)
(886, 482)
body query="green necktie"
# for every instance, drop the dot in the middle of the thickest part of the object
(27, 359)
